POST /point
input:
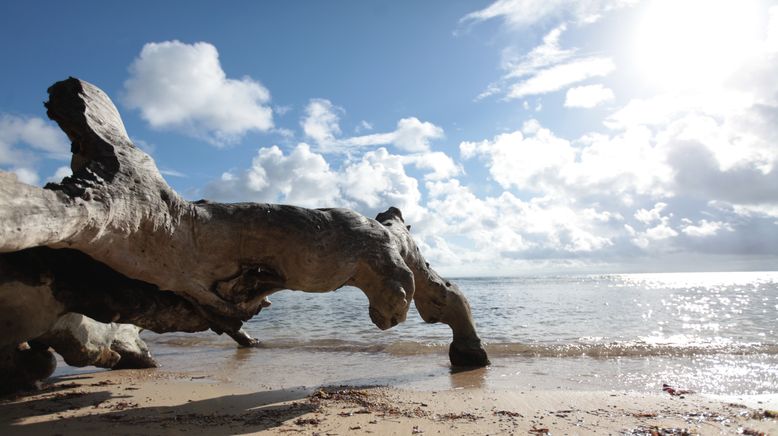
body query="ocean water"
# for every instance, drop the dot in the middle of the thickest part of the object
(713, 333)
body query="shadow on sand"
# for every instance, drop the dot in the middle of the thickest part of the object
(229, 414)
(111, 411)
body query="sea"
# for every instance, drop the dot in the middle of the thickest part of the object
(712, 333)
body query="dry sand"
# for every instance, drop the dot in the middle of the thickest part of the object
(153, 402)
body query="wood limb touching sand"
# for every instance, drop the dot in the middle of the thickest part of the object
(116, 243)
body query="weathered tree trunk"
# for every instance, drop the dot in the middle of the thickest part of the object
(139, 253)
(82, 341)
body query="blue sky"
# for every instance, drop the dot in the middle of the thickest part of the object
(517, 136)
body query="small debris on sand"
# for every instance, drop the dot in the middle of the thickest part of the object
(371, 401)
(463, 415)
(122, 405)
(675, 392)
(508, 413)
(65, 395)
(376, 410)
(307, 421)
(659, 431)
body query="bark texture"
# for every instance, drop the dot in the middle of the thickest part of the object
(115, 242)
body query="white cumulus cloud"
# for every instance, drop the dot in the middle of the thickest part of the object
(26, 175)
(588, 96)
(440, 166)
(414, 135)
(379, 180)
(20, 135)
(504, 228)
(302, 177)
(59, 174)
(183, 87)
(321, 124)
(705, 228)
(368, 184)
(23, 140)
(530, 159)
(651, 216)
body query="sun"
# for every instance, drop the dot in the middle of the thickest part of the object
(694, 43)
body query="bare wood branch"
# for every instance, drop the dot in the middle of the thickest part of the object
(215, 264)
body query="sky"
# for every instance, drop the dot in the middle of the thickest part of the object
(517, 136)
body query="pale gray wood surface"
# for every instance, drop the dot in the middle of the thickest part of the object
(190, 265)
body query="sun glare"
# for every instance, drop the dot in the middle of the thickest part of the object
(694, 43)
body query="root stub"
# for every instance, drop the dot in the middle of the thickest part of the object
(468, 356)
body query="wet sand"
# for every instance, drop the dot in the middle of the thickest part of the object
(159, 401)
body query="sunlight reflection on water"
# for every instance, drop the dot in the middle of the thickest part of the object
(712, 332)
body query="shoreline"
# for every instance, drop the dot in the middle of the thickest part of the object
(158, 401)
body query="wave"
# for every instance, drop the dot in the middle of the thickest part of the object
(592, 347)
(628, 349)
(609, 350)
(597, 350)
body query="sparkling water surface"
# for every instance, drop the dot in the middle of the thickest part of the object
(711, 332)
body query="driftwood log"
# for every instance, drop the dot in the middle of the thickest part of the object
(82, 341)
(116, 243)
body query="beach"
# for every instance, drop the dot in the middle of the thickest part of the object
(610, 354)
(416, 218)
(163, 402)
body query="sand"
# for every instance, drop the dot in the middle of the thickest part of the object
(155, 401)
